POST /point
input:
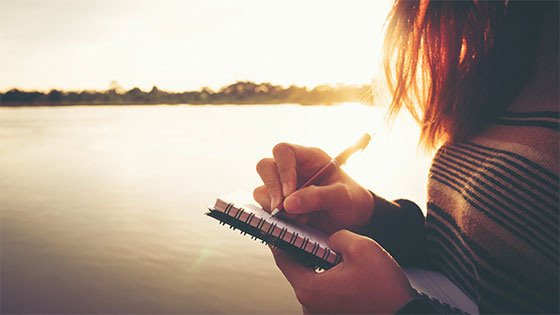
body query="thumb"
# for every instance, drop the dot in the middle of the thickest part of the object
(331, 198)
(350, 245)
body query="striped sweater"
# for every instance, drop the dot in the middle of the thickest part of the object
(492, 223)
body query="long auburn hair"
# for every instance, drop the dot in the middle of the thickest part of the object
(456, 64)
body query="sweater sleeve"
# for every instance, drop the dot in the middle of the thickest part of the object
(399, 227)
(423, 304)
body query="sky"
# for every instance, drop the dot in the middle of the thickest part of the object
(180, 45)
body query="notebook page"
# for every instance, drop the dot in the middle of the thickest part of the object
(436, 285)
(241, 199)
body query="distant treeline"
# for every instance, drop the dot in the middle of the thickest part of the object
(237, 93)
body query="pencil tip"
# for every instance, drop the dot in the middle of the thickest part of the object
(274, 213)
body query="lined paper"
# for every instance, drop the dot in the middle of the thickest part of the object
(437, 286)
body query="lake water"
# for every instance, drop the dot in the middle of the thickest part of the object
(101, 208)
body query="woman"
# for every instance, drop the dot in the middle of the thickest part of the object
(482, 80)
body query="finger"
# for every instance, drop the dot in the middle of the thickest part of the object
(297, 218)
(260, 194)
(309, 159)
(333, 198)
(296, 273)
(351, 246)
(269, 174)
(285, 159)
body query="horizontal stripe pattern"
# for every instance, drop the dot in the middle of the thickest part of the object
(532, 115)
(501, 205)
(513, 226)
(520, 175)
(516, 196)
(549, 119)
(519, 163)
(450, 247)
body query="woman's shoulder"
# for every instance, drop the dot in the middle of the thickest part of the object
(495, 196)
(531, 138)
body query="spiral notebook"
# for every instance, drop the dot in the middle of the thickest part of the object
(311, 246)
(306, 243)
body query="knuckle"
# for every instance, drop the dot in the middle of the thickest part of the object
(341, 191)
(354, 249)
(359, 246)
(335, 236)
(271, 185)
(338, 235)
(319, 152)
(285, 170)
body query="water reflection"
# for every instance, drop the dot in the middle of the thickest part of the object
(102, 207)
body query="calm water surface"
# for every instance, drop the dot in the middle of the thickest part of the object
(101, 208)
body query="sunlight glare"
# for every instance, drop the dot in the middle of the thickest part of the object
(391, 149)
(186, 45)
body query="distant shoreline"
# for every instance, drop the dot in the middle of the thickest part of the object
(160, 104)
(239, 93)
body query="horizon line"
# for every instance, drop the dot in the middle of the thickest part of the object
(118, 87)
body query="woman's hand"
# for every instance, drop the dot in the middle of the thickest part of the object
(367, 280)
(333, 203)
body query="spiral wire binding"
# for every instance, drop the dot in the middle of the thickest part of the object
(267, 237)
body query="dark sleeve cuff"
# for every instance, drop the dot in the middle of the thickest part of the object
(417, 306)
(399, 227)
(423, 304)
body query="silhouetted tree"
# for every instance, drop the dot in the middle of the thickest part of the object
(241, 92)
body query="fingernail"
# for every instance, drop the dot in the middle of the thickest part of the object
(273, 204)
(292, 203)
